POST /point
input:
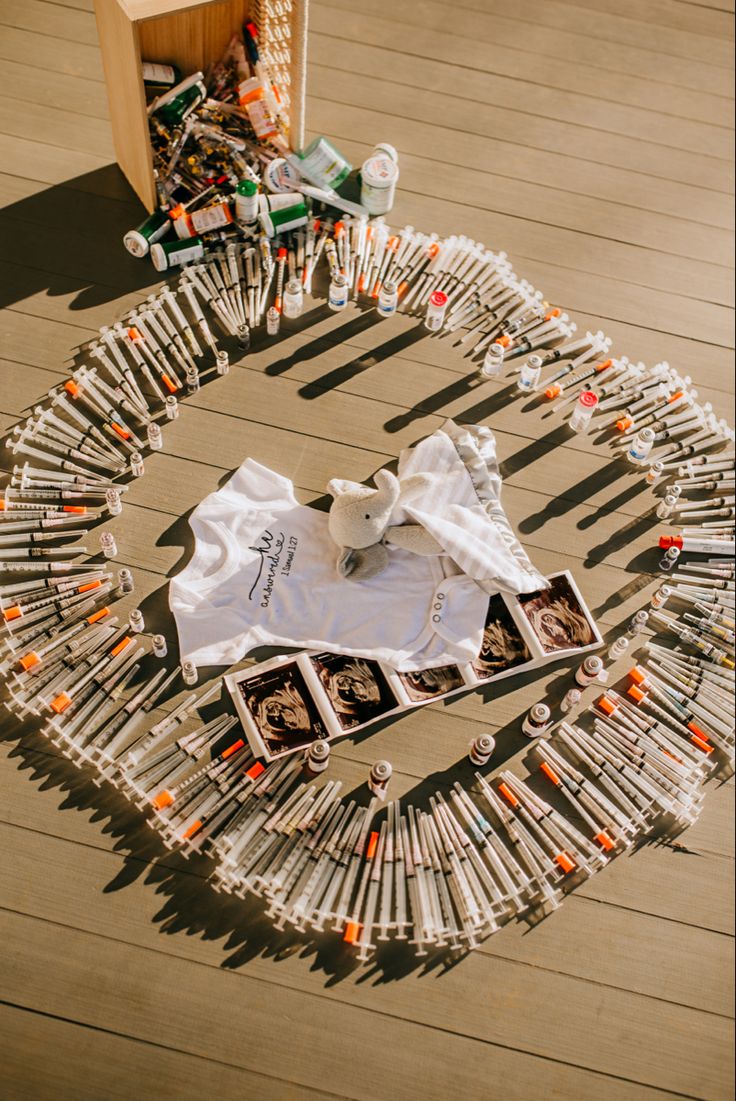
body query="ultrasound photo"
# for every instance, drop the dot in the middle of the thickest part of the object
(503, 646)
(429, 683)
(556, 617)
(283, 709)
(357, 689)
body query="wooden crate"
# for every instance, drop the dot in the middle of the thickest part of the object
(191, 34)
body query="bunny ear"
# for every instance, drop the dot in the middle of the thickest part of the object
(388, 484)
(338, 487)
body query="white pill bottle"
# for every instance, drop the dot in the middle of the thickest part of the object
(378, 179)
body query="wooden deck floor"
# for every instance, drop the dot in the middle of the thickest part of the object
(592, 141)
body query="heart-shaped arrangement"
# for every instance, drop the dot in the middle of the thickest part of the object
(441, 877)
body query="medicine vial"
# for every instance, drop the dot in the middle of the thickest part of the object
(246, 202)
(192, 380)
(293, 302)
(618, 647)
(160, 649)
(379, 777)
(378, 178)
(530, 373)
(641, 445)
(436, 309)
(273, 320)
(661, 596)
(675, 491)
(222, 363)
(171, 406)
(155, 436)
(113, 502)
(537, 721)
(125, 581)
(388, 299)
(589, 671)
(654, 473)
(492, 362)
(136, 621)
(108, 546)
(337, 298)
(189, 672)
(570, 699)
(583, 412)
(481, 749)
(638, 623)
(666, 507)
(324, 165)
(318, 757)
(669, 558)
(243, 337)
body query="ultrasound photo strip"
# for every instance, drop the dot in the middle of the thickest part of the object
(288, 702)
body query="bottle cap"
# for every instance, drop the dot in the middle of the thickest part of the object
(588, 399)
(667, 541)
(553, 391)
(247, 187)
(438, 299)
(384, 147)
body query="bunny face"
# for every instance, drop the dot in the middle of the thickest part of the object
(360, 515)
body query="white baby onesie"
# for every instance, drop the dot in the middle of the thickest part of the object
(264, 573)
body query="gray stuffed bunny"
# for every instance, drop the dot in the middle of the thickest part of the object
(360, 524)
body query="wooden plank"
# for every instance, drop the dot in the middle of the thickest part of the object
(608, 26)
(567, 44)
(50, 20)
(521, 97)
(484, 121)
(44, 1054)
(180, 995)
(428, 42)
(581, 940)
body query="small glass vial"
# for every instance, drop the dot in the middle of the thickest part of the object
(570, 699)
(273, 320)
(189, 672)
(125, 581)
(537, 721)
(655, 472)
(666, 507)
(379, 777)
(618, 647)
(436, 309)
(388, 299)
(669, 558)
(171, 406)
(640, 446)
(137, 469)
(481, 750)
(638, 623)
(113, 501)
(583, 412)
(155, 436)
(108, 546)
(160, 649)
(492, 365)
(192, 380)
(337, 298)
(246, 202)
(222, 363)
(661, 596)
(318, 757)
(530, 374)
(589, 671)
(293, 302)
(136, 621)
(243, 337)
